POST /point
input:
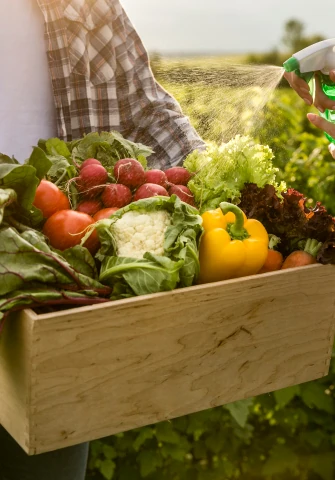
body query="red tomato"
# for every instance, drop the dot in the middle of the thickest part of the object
(49, 199)
(66, 228)
(104, 213)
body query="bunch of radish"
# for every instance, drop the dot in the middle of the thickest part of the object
(99, 199)
(132, 183)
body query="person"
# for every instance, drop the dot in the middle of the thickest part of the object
(91, 74)
(100, 80)
(321, 102)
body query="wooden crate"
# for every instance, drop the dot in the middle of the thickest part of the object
(94, 371)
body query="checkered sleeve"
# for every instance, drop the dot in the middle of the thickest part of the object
(102, 80)
(149, 114)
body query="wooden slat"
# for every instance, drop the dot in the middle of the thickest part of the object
(15, 376)
(105, 369)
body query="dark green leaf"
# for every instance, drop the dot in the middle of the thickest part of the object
(166, 433)
(55, 146)
(81, 260)
(145, 434)
(240, 410)
(108, 148)
(151, 274)
(174, 452)
(284, 396)
(107, 468)
(26, 258)
(149, 462)
(22, 179)
(39, 160)
(314, 396)
(32, 217)
(7, 197)
(281, 459)
(109, 452)
(59, 166)
(7, 159)
(39, 295)
(214, 442)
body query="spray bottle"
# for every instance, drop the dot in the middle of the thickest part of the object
(319, 58)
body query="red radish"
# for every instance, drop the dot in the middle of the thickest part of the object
(92, 180)
(104, 213)
(150, 190)
(89, 161)
(116, 195)
(129, 172)
(183, 193)
(89, 206)
(156, 176)
(178, 175)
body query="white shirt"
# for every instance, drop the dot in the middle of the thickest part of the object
(27, 111)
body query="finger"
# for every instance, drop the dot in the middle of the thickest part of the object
(322, 123)
(300, 86)
(296, 82)
(332, 149)
(322, 102)
(332, 75)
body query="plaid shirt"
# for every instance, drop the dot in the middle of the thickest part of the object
(102, 80)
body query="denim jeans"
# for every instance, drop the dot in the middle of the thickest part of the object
(65, 464)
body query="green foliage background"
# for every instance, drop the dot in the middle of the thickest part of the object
(289, 434)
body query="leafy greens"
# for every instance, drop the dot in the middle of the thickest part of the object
(28, 266)
(221, 171)
(108, 148)
(289, 218)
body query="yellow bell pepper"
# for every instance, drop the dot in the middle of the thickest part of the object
(232, 246)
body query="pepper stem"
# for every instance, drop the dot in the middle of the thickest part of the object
(236, 229)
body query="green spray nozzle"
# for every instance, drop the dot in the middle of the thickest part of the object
(291, 65)
(319, 57)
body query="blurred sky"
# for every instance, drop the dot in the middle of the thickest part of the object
(215, 26)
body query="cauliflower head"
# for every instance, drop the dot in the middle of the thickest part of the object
(138, 232)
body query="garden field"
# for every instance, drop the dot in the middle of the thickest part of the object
(286, 435)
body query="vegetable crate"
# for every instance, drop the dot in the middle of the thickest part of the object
(90, 372)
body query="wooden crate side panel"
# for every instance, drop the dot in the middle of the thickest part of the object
(15, 376)
(99, 371)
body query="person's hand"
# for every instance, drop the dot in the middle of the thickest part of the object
(321, 101)
(327, 127)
